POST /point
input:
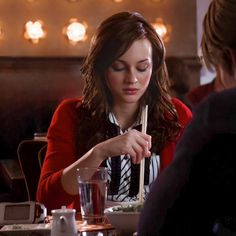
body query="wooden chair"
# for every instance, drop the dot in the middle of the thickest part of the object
(27, 152)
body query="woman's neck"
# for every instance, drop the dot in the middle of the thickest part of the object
(125, 115)
(224, 80)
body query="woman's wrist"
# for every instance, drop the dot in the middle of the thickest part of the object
(99, 152)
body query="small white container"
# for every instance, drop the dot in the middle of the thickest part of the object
(63, 223)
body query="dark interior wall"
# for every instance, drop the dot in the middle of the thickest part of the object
(30, 90)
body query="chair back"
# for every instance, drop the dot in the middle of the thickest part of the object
(41, 155)
(27, 152)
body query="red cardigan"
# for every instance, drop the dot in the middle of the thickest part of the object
(61, 152)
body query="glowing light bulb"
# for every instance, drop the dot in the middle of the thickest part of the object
(75, 31)
(34, 31)
(163, 30)
(160, 29)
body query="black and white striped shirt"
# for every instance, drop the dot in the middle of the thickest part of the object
(125, 175)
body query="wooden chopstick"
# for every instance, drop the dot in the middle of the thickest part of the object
(144, 116)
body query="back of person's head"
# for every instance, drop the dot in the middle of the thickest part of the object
(219, 34)
(178, 74)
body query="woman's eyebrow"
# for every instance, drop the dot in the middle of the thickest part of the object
(123, 61)
(144, 60)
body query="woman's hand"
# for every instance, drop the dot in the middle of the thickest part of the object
(133, 143)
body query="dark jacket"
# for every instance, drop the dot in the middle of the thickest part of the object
(197, 190)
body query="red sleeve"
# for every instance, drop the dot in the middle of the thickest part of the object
(185, 115)
(198, 94)
(61, 152)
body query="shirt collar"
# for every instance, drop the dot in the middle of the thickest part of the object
(113, 120)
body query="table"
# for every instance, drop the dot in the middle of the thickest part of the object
(45, 229)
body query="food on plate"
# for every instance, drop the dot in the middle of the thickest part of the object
(127, 208)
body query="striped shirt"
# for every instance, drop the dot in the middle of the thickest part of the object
(125, 179)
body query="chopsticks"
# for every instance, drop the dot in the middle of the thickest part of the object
(142, 163)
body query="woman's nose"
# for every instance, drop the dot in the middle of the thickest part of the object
(131, 78)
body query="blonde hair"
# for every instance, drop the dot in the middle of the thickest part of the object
(219, 34)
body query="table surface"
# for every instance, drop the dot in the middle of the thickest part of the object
(44, 229)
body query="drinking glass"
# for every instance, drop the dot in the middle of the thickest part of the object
(93, 193)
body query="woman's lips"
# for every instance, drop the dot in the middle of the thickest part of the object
(130, 91)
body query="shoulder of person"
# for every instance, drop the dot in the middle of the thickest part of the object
(198, 93)
(70, 103)
(224, 98)
(217, 101)
(184, 113)
(219, 106)
(67, 108)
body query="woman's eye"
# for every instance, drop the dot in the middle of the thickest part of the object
(142, 69)
(118, 67)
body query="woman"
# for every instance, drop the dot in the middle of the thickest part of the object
(124, 71)
(195, 194)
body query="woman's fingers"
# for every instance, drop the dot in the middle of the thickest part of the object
(133, 143)
(137, 145)
(138, 150)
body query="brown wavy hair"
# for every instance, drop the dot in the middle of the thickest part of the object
(219, 34)
(112, 39)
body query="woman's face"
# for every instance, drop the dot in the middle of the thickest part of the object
(128, 77)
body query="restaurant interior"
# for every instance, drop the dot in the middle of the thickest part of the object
(43, 44)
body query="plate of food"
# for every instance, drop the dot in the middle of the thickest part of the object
(124, 217)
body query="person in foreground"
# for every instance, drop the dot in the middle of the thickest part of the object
(201, 92)
(123, 72)
(195, 194)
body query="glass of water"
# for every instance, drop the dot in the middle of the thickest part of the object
(93, 193)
